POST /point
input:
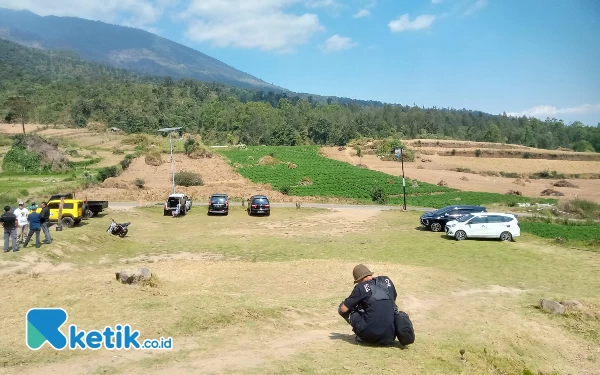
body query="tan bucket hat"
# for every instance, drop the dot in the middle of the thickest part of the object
(360, 271)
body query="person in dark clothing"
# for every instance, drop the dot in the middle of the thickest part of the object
(45, 221)
(9, 222)
(372, 312)
(34, 227)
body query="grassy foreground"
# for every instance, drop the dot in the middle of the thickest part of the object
(248, 295)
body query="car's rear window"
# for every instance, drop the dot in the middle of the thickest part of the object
(218, 199)
(260, 200)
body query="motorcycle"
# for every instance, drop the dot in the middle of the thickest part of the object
(117, 229)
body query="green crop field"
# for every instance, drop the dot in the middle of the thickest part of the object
(581, 232)
(331, 178)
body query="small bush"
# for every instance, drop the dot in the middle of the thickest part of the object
(190, 146)
(453, 152)
(509, 174)
(153, 158)
(139, 182)
(117, 151)
(285, 190)
(463, 170)
(107, 172)
(378, 195)
(478, 153)
(188, 179)
(527, 155)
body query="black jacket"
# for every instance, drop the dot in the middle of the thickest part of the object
(45, 215)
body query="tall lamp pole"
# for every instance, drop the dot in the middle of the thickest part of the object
(170, 132)
(399, 153)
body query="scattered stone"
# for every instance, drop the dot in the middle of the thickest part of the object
(425, 160)
(464, 178)
(564, 183)
(134, 276)
(442, 183)
(552, 306)
(341, 148)
(518, 181)
(551, 193)
(572, 304)
(515, 192)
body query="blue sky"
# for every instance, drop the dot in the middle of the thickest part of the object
(534, 57)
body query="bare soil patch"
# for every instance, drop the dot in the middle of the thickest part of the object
(216, 173)
(442, 168)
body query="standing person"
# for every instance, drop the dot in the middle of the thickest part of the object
(9, 222)
(372, 312)
(21, 214)
(34, 227)
(45, 220)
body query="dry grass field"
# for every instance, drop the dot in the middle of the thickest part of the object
(250, 295)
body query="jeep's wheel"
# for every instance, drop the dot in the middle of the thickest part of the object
(88, 214)
(68, 222)
(505, 236)
(436, 227)
(460, 235)
(123, 233)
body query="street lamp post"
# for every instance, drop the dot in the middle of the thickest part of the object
(170, 132)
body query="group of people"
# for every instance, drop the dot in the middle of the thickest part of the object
(22, 223)
(372, 312)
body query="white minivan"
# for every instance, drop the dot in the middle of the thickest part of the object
(484, 225)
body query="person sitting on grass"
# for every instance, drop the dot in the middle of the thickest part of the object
(177, 210)
(372, 312)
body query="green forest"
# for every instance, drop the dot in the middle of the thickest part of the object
(61, 88)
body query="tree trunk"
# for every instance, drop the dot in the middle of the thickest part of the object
(23, 124)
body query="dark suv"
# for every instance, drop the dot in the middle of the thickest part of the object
(436, 220)
(259, 204)
(218, 203)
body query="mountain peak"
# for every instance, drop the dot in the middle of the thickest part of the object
(121, 47)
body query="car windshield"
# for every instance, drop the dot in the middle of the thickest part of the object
(260, 200)
(440, 211)
(466, 218)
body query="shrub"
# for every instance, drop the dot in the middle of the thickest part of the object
(378, 195)
(5, 140)
(107, 172)
(153, 158)
(18, 159)
(285, 190)
(509, 174)
(117, 151)
(190, 146)
(582, 208)
(188, 179)
(453, 152)
(527, 155)
(139, 182)
(478, 153)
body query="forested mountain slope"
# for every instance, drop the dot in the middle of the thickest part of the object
(66, 89)
(121, 47)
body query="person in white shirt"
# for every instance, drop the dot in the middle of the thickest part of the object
(21, 213)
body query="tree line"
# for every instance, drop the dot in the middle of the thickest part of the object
(64, 89)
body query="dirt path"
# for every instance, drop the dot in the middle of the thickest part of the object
(433, 173)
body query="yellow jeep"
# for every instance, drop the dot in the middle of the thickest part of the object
(72, 211)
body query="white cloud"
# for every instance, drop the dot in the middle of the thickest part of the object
(403, 23)
(338, 43)
(261, 24)
(543, 111)
(137, 13)
(479, 4)
(362, 13)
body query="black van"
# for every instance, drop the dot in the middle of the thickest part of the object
(259, 205)
(436, 220)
